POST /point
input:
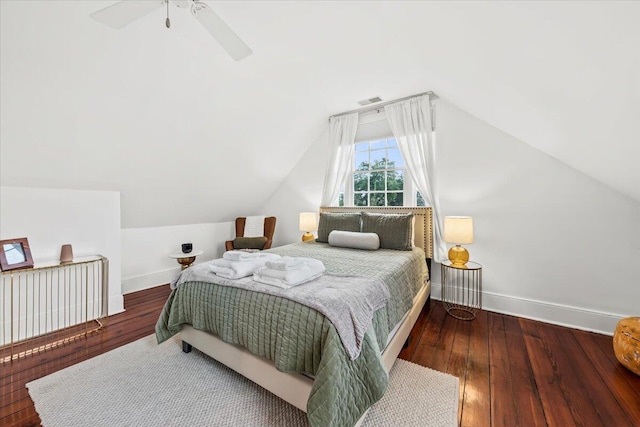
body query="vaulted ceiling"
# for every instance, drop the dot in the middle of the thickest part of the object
(188, 135)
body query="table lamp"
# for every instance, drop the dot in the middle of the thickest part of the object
(307, 224)
(458, 230)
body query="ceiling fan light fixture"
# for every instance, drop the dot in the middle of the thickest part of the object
(125, 12)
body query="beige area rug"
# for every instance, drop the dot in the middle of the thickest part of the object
(145, 384)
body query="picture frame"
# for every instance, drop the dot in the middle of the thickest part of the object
(14, 254)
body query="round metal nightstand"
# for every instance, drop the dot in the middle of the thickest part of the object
(461, 289)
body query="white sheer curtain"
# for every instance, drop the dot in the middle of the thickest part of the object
(342, 132)
(412, 123)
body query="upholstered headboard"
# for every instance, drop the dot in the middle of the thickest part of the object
(423, 224)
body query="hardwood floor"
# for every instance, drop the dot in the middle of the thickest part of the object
(519, 372)
(513, 372)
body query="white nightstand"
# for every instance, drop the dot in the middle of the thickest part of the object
(185, 260)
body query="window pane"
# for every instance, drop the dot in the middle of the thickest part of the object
(378, 160)
(394, 199)
(376, 199)
(362, 161)
(379, 173)
(341, 199)
(360, 199)
(376, 181)
(360, 181)
(378, 144)
(395, 180)
(363, 146)
(420, 200)
(395, 157)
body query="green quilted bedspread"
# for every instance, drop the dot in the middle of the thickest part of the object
(298, 338)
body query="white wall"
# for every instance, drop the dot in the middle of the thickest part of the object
(161, 115)
(300, 192)
(90, 222)
(49, 218)
(145, 261)
(555, 245)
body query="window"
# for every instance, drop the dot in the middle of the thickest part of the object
(378, 177)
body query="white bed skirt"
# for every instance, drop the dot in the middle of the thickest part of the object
(293, 388)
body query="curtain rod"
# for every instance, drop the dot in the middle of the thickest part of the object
(382, 104)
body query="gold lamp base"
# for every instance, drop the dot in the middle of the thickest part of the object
(458, 256)
(307, 236)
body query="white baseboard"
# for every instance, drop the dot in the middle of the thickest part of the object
(557, 314)
(147, 281)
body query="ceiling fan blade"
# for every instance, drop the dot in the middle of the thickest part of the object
(125, 12)
(220, 31)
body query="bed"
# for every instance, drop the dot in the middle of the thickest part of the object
(294, 351)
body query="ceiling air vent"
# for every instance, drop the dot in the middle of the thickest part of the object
(370, 101)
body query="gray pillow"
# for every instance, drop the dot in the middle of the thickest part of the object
(336, 221)
(395, 230)
(354, 239)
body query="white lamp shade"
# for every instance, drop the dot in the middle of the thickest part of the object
(458, 229)
(308, 221)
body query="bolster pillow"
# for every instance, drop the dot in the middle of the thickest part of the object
(354, 239)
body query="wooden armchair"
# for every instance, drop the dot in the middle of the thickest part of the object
(269, 229)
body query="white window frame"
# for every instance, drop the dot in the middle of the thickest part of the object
(373, 126)
(408, 193)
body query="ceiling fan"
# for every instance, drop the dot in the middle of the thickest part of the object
(125, 12)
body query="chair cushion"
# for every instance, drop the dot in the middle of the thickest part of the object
(249, 242)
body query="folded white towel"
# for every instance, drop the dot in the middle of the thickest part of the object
(281, 283)
(247, 256)
(238, 269)
(310, 269)
(254, 226)
(287, 263)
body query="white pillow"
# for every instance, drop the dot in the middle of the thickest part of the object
(354, 239)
